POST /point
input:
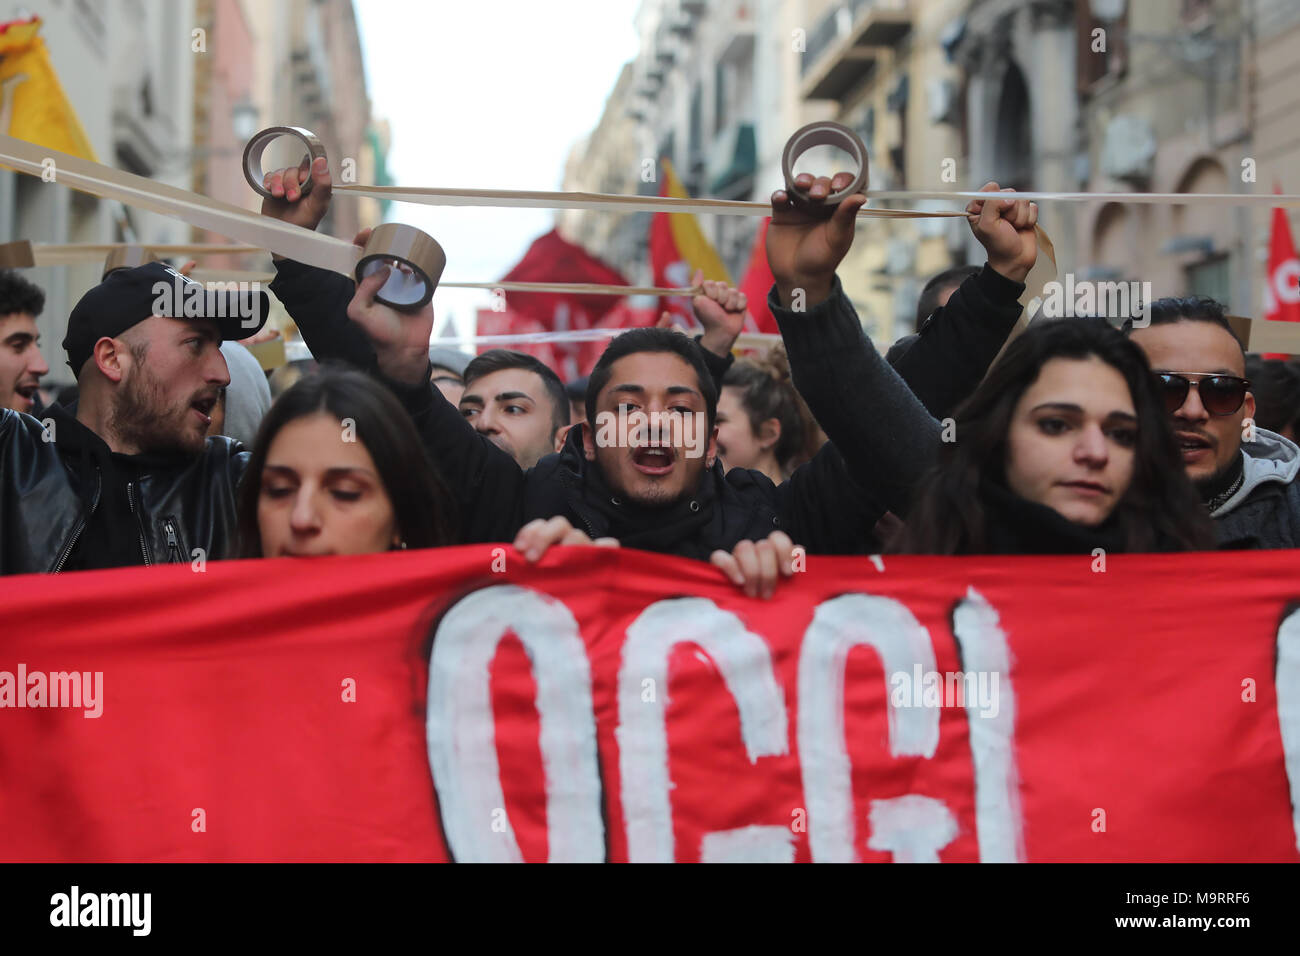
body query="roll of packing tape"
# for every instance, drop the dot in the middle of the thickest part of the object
(253, 171)
(418, 262)
(823, 134)
(127, 257)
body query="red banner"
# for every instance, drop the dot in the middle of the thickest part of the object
(460, 704)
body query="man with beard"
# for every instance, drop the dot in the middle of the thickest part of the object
(1246, 475)
(129, 476)
(21, 363)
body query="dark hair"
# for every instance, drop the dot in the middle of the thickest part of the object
(1276, 386)
(495, 360)
(18, 295)
(767, 392)
(1159, 511)
(421, 502)
(652, 340)
(947, 279)
(1195, 308)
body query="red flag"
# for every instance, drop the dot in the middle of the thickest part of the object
(553, 259)
(1281, 295)
(756, 284)
(678, 247)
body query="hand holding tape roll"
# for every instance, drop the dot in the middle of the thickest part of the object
(805, 138)
(416, 258)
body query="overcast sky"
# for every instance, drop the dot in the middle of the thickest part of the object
(488, 95)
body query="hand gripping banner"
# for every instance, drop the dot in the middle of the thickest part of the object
(459, 704)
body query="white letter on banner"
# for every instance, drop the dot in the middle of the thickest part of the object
(1288, 708)
(745, 663)
(900, 641)
(912, 827)
(756, 844)
(462, 733)
(992, 739)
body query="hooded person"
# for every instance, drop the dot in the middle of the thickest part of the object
(245, 400)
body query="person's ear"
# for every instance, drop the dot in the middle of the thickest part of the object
(560, 435)
(588, 441)
(769, 433)
(1249, 406)
(112, 358)
(712, 454)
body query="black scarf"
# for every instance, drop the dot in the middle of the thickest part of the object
(1018, 526)
(671, 529)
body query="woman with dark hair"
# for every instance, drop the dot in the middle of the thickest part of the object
(338, 468)
(1065, 447)
(763, 424)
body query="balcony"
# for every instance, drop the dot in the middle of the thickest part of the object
(844, 47)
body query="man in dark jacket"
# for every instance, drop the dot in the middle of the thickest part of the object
(676, 503)
(129, 477)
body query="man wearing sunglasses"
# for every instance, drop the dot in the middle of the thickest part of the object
(1246, 475)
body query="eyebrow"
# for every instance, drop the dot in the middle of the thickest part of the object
(330, 473)
(513, 396)
(1174, 371)
(671, 390)
(25, 337)
(1067, 407)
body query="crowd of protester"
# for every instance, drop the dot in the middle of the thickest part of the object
(1074, 436)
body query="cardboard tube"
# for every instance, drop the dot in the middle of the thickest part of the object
(256, 146)
(824, 133)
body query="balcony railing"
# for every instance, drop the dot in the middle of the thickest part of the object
(844, 45)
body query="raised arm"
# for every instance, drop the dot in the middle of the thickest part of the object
(340, 320)
(959, 342)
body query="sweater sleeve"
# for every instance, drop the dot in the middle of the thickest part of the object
(886, 436)
(956, 345)
(485, 481)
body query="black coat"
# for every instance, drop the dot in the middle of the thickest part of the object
(823, 506)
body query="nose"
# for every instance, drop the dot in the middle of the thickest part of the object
(1192, 410)
(218, 372)
(485, 422)
(36, 364)
(305, 517)
(1091, 448)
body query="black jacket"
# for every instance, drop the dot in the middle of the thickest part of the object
(48, 491)
(822, 507)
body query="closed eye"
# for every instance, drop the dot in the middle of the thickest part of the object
(1124, 437)
(1053, 426)
(346, 495)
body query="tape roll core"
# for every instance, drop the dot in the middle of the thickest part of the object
(420, 262)
(253, 171)
(823, 133)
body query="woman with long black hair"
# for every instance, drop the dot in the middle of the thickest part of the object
(1065, 447)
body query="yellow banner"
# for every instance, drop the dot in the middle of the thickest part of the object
(34, 107)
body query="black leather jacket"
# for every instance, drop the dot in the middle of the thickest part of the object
(175, 509)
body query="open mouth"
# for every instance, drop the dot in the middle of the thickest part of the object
(1192, 445)
(27, 392)
(204, 407)
(654, 460)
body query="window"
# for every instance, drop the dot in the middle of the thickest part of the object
(1211, 277)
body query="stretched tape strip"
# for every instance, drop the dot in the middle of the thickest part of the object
(293, 242)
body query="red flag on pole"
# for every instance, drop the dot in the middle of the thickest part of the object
(756, 284)
(1281, 292)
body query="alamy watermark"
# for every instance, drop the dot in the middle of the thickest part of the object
(969, 689)
(1111, 300)
(638, 429)
(183, 297)
(72, 689)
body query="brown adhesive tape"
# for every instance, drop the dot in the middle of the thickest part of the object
(824, 133)
(419, 263)
(253, 171)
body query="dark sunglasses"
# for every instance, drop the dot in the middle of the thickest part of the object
(1220, 394)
